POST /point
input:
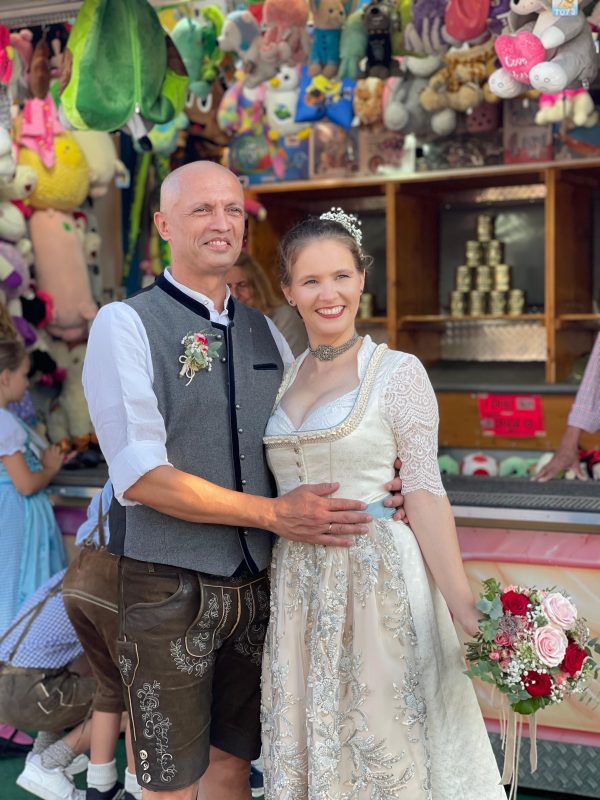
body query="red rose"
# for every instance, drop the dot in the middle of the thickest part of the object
(574, 658)
(515, 602)
(537, 684)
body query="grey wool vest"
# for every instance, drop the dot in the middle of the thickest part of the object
(214, 429)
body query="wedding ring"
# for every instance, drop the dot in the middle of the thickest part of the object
(329, 528)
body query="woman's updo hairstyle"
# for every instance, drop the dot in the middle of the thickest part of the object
(334, 224)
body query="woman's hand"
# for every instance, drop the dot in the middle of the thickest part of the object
(469, 620)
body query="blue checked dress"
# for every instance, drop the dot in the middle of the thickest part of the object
(31, 547)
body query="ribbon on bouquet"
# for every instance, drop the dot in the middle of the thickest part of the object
(511, 734)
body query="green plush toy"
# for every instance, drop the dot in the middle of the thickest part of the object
(119, 64)
(196, 40)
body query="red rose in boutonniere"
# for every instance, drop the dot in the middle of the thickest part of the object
(198, 354)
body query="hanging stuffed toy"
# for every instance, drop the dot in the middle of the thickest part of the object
(575, 106)
(240, 35)
(285, 30)
(120, 68)
(426, 33)
(63, 186)
(353, 47)
(329, 17)
(468, 20)
(101, 158)
(196, 39)
(547, 52)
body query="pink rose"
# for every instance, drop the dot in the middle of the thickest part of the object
(199, 337)
(495, 655)
(550, 645)
(560, 678)
(504, 665)
(559, 610)
(502, 639)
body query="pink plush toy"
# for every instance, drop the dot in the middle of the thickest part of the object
(62, 272)
(285, 22)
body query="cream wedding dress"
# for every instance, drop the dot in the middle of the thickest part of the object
(364, 696)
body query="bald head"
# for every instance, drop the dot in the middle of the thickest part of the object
(183, 178)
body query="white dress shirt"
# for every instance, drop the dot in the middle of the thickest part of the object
(117, 381)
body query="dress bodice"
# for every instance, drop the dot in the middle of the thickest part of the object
(355, 439)
(17, 436)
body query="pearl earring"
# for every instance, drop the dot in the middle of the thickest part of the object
(291, 302)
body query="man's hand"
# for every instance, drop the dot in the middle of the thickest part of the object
(397, 499)
(566, 457)
(307, 514)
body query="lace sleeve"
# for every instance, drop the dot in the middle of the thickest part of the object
(410, 407)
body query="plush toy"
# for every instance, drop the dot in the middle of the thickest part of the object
(101, 157)
(516, 467)
(368, 101)
(479, 464)
(550, 53)
(281, 103)
(426, 33)
(65, 185)
(448, 465)
(468, 20)
(321, 97)
(20, 186)
(242, 116)
(121, 38)
(402, 104)
(285, 30)
(576, 106)
(329, 16)
(68, 421)
(377, 19)
(62, 272)
(21, 41)
(196, 39)
(462, 84)
(165, 138)
(240, 35)
(7, 161)
(353, 46)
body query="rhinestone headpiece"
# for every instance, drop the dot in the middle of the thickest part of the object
(349, 221)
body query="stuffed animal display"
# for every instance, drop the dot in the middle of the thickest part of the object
(547, 52)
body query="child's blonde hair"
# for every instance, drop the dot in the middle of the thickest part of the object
(12, 349)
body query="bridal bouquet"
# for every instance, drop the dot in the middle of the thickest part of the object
(531, 646)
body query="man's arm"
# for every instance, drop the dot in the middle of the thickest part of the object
(302, 515)
(118, 382)
(584, 416)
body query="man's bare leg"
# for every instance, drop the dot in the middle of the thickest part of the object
(227, 778)
(189, 793)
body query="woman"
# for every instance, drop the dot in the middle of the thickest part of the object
(249, 284)
(364, 696)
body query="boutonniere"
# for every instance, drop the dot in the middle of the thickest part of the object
(198, 354)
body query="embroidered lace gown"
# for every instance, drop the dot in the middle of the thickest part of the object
(364, 696)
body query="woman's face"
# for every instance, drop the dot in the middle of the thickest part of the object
(326, 287)
(239, 285)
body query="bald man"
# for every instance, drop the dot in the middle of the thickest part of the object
(196, 504)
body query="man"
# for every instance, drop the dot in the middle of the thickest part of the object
(183, 439)
(584, 416)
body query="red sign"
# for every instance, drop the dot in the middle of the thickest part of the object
(512, 416)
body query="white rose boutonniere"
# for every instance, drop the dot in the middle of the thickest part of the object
(198, 354)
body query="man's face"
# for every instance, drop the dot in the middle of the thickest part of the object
(204, 222)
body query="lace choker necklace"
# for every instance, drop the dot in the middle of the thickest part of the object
(327, 352)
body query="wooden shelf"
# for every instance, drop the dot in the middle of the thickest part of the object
(427, 319)
(506, 173)
(574, 320)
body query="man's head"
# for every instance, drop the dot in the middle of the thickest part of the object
(202, 217)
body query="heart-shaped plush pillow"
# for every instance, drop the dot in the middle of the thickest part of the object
(520, 53)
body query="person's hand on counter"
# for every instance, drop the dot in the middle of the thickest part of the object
(566, 457)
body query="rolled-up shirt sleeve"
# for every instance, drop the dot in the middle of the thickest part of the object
(117, 380)
(585, 411)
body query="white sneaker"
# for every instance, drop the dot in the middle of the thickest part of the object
(79, 763)
(48, 784)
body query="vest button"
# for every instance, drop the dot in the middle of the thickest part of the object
(238, 406)
(218, 337)
(242, 457)
(244, 482)
(245, 532)
(240, 430)
(224, 360)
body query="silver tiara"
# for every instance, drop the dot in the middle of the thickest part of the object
(349, 221)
